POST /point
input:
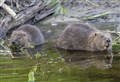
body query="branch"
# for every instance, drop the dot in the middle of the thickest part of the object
(96, 16)
(31, 14)
(7, 8)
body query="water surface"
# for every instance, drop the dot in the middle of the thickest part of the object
(55, 65)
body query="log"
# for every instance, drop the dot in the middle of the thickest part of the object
(34, 13)
(25, 15)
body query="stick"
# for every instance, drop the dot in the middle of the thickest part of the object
(96, 16)
(7, 8)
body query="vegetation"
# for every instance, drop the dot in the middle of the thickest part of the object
(116, 45)
(47, 65)
(59, 9)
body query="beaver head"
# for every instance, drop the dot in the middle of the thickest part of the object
(100, 41)
(19, 38)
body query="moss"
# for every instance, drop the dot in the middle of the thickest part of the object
(116, 48)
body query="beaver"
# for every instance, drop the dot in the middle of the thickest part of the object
(26, 35)
(81, 36)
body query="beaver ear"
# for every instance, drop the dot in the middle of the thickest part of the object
(14, 32)
(24, 34)
(97, 33)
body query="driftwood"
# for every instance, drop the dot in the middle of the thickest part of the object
(32, 14)
(7, 8)
(96, 16)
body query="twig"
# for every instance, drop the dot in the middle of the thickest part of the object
(7, 8)
(91, 3)
(7, 50)
(96, 16)
(118, 35)
(24, 51)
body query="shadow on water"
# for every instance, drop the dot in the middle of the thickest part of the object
(86, 59)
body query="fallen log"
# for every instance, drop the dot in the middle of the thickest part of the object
(25, 15)
(32, 14)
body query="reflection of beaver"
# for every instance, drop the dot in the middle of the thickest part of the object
(86, 59)
(26, 35)
(84, 37)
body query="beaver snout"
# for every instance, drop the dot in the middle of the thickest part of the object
(107, 46)
(13, 42)
(108, 40)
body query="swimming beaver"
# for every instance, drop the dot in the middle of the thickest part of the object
(26, 35)
(84, 37)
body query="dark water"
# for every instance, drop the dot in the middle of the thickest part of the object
(55, 65)
(62, 66)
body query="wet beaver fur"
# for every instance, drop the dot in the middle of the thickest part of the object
(84, 37)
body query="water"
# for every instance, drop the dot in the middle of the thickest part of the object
(55, 65)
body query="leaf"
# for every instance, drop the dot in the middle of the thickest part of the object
(57, 10)
(62, 10)
(35, 68)
(53, 2)
(48, 2)
(37, 55)
(31, 77)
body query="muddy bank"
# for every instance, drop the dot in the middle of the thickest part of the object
(103, 14)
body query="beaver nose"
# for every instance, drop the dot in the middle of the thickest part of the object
(108, 41)
(13, 42)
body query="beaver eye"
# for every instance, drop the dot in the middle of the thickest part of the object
(18, 37)
(24, 34)
(95, 34)
(101, 36)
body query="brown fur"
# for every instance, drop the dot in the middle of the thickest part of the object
(26, 35)
(83, 37)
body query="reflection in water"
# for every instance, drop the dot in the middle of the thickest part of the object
(86, 59)
(30, 52)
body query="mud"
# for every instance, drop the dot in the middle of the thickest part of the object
(80, 10)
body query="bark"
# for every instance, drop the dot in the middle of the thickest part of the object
(36, 11)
